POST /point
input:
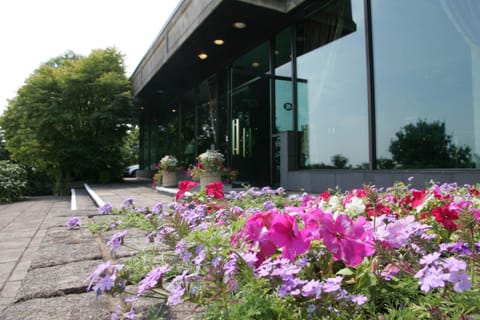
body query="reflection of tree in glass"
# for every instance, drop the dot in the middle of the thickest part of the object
(427, 145)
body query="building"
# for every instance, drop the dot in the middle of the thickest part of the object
(315, 94)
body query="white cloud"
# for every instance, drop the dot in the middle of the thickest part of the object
(32, 32)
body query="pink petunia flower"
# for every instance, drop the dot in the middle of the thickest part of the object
(284, 233)
(347, 240)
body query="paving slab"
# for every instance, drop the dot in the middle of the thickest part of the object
(63, 246)
(57, 280)
(70, 307)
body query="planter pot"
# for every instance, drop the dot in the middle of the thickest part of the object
(169, 179)
(207, 178)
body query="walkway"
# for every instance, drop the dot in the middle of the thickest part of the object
(43, 265)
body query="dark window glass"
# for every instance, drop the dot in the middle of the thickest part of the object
(332, 89)
(207, 115)
(188, 129)
(427, 83)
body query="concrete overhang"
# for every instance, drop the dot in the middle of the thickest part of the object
(172, 65)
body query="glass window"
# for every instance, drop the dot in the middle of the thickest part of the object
(188, 129)
(427, 83)
(207, 115)
(332, 89)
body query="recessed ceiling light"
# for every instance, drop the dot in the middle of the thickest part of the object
(218, 42)
(202, 56)
(239, 25)
(255, 64)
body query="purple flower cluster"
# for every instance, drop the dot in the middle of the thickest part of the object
(438, 271)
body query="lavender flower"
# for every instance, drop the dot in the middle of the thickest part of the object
(130, 315)
(175, 294)
(158, 207)
(106, 208)
(312, 288)
(181, 249)
(332, 284)
(430, 278)
(129, 202)
(152, 279)
(73, 223)
(359, 299)
(268, 205)
(430, 258)
(117, 240)
(460, 280)
(103, 277)
(250, 258)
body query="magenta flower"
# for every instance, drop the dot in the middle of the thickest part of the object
(347, 240)
(284, 233)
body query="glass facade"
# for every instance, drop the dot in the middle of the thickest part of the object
(332, 87)
(311, 80)
(427, 84)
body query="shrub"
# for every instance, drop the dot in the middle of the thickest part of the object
(13, 181)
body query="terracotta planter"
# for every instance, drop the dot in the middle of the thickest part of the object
(169, 179)
(207, 178)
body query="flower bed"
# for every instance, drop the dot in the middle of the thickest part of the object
(397, 253)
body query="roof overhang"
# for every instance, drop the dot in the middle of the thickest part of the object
(172, 63)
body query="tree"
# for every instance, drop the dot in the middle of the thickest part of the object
(131, 147)
(70, 118)
(427, 145)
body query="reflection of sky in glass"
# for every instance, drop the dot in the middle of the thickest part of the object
(423, 70)
(334, 99)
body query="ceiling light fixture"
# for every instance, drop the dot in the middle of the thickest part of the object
(218, 42)
(239, 25)
(202, 56)
(255, 64)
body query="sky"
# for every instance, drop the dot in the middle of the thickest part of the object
(32, 32)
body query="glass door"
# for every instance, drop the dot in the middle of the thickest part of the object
(250, 133)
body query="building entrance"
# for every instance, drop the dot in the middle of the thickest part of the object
(250, 131)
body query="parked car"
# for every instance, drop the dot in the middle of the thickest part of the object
(131, 171)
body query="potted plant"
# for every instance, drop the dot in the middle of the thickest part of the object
(168, 168)
(210, 168)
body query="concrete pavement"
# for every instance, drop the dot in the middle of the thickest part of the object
(43, 265)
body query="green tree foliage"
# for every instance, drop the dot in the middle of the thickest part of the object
(70, 118)
(427, 145)
(131, 147)
(13, 181)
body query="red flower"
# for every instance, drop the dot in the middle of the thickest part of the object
(446, 216)
(183, 187)
(215, 189)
